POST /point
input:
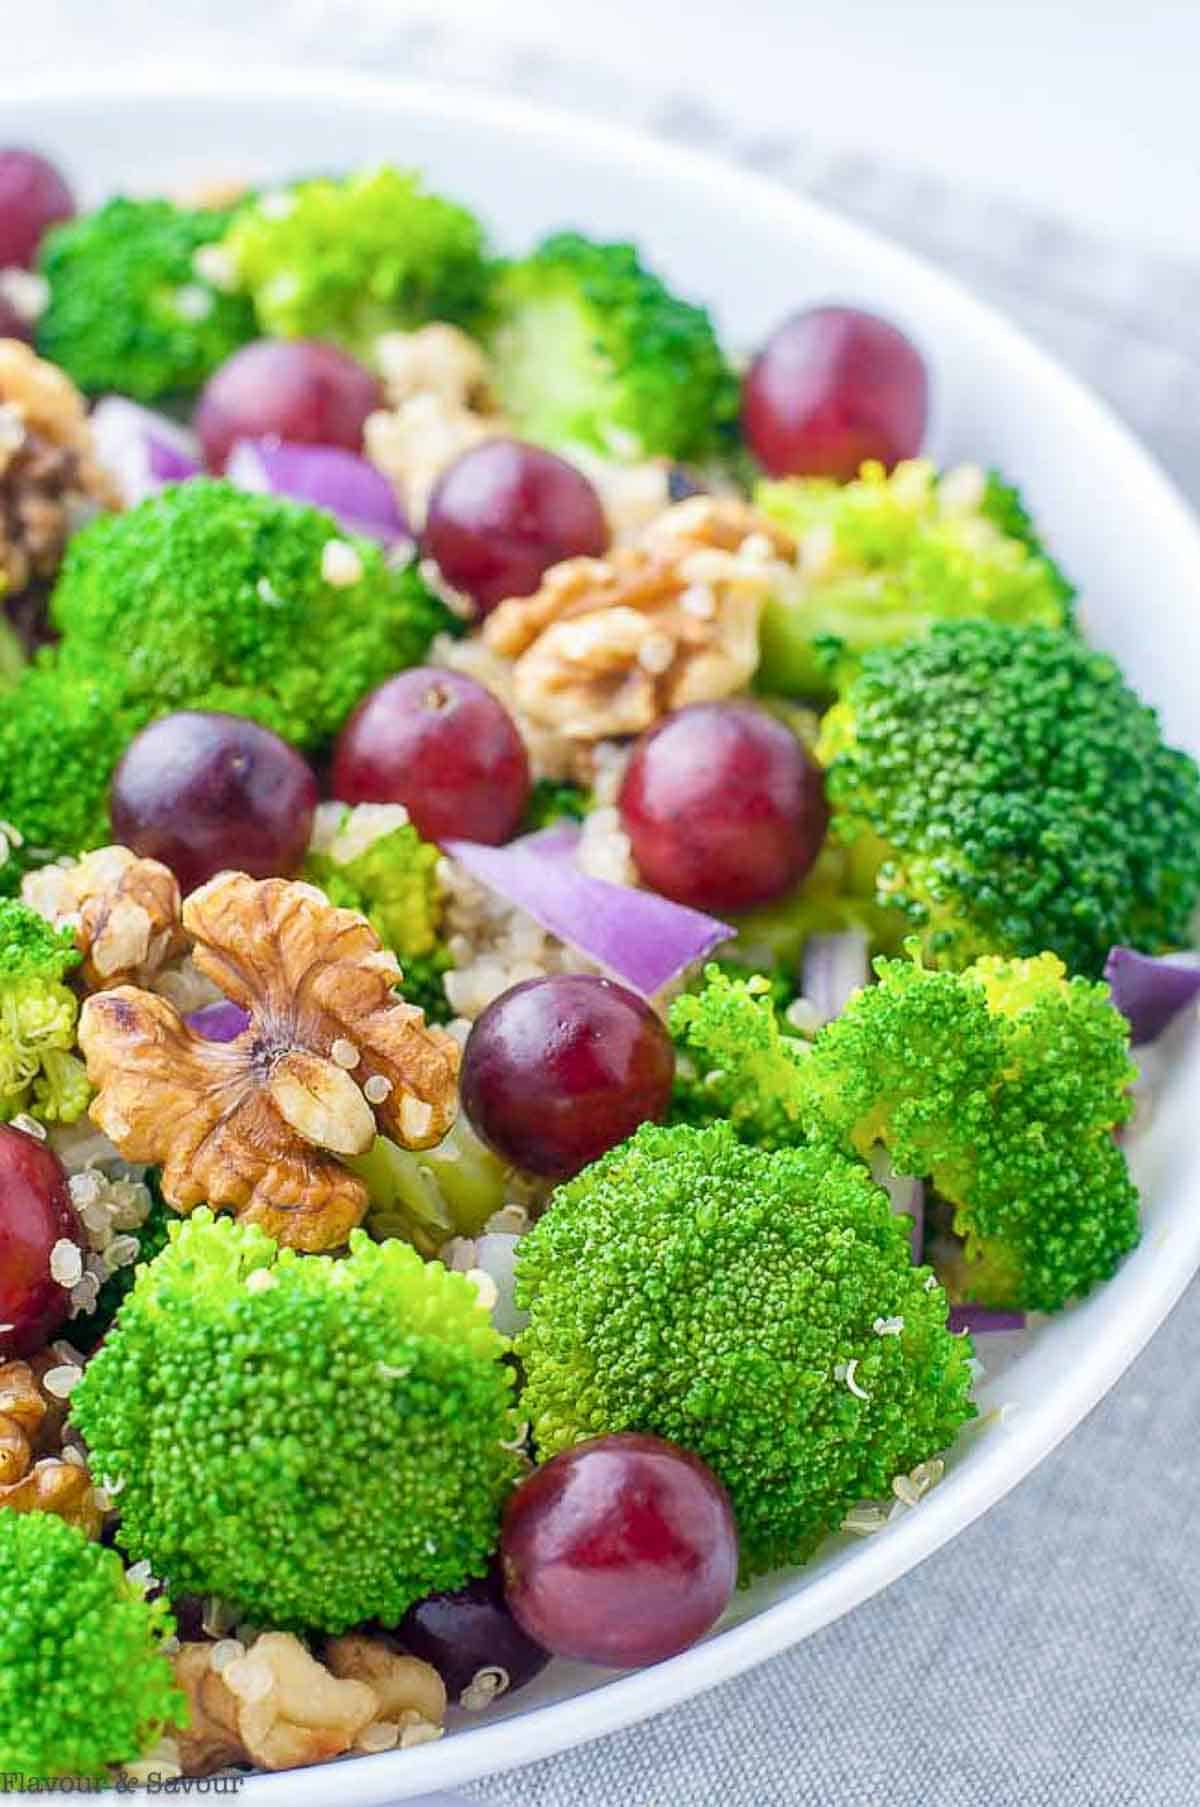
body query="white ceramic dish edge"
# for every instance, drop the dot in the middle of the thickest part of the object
(1113, 1327)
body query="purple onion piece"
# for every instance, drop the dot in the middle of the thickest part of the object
(1151, 990)
(142, 449)
(636, 936)
(359, 497)
(834, 968)
(981, 1320)
(907, 1195)
(223, 1021)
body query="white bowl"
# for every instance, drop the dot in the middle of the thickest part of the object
(753, 251)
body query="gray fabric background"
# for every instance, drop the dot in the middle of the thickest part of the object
(1051, 1656)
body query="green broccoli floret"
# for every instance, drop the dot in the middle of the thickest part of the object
(1002, 1085)
(12, 652)
(555, 800)
(347, 260)
(130, 307)
(1014, 797)
(590, 348)
(38, 1072)
(735, 1060)
(429, 1195)
(202, 597)
(758, 1308)
(884, 558)
(84, 1680)
(318, 1441)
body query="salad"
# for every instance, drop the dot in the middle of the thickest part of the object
(572, 919)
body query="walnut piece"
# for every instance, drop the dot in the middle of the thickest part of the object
(50, 480)
(606, 646)
(276, 1706)
(257, 1124)
(31, 1481)
(125, 912)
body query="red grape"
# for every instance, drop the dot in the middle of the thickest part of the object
(620, 1551)
(33, 196)
(503, 513)
(300, 390)
(831, 388)
(559, 1070)
(723, 807)
(473, 1641)
(35, 1213)
(442, 745)
(206, 793)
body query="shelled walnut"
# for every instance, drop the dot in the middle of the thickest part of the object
(330, 1059)
(607, 646)
(35, 1476)
(125, 912)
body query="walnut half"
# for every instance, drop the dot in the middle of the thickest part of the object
(31, 1480)
(330, 1058)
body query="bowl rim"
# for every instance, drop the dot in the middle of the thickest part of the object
(547, 1730)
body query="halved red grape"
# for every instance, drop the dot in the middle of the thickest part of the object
(472, 1640)
(442, 745)
(33, 197)
(205, 792)
(831, 388)
(36, 1213)
(300, 390)
(723, 807)
(559, 1070)
(620, 1551)
(503, 513)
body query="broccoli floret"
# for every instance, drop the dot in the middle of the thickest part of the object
(84, 1680)
(130, 308)
(202, 597)
(589, 347)
(428, 1196)
(319, 1441)
(38, 1072)
(883, 558)
(735, 1060)
(348, 260)
(758, 1308)
(555, 800)
(12, 652)
(1015, 797)
(1002, 1085)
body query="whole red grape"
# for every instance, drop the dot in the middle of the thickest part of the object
(723, 807)
(205, 792)
(556, 1071)
(831, 388)
(444, 747)
(33, 197)
(620, 1551)
(300, 390)
(36, 1214)
(503, 513)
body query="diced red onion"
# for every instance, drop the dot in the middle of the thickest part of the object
(223, 1021)
(1151, 990)
(834, 968)
(907, 1195)
(637, 936)
(981, 1320)
(560, 841)
(359, 497)
(142, 449)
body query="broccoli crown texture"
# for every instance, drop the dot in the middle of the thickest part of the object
(130, 308)
(202, 597)
(758, 1308)
(1017, 797)
(590, 348)
(371, 859)
(735, 1061)
(1003, 1086)
(556, 800)
(38, 1072)
(883, 558)
(84, 1682)
(347, 260)
(319, 1441)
